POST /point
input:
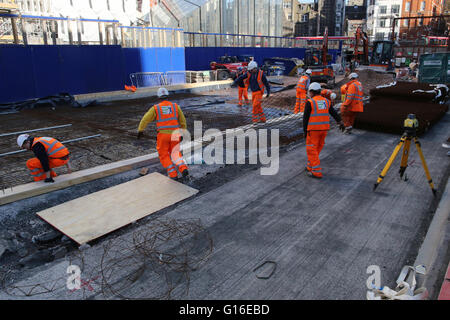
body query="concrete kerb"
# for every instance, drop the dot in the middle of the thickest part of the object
(149, 92)
(429, 249)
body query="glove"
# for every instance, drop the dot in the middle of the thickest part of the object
(49, 180)
(140, 134)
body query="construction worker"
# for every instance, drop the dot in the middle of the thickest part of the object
(49, 152)
(353, 102)
(343, 91)
(302, 90)
(169, 118)
(257, 81)
(316, 123)
(330, 95)
(243, 86)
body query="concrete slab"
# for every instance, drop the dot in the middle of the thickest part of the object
(322, 234)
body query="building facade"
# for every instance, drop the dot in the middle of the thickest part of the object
(380, 17)
(418, 27)
(355, 16)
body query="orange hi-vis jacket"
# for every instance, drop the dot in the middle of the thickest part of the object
(166, 116)
(303, 83)
(326, 93)
(320, 117)
(354, 97)
(259, 79)
(53, 148)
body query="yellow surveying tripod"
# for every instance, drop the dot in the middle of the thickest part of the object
(410, 125)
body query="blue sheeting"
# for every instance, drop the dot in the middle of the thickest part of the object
(199, 58)
(28, 72)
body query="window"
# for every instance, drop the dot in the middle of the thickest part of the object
(382, 23)
(305, 17)
(405, 23)
(382, 10)
(420, 22)
(379, 36)
(407, 7)
(422, 6)
(395, 8)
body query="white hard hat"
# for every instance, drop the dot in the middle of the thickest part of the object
(162, 92)
(21, 139)
(333, 96)
(353, 75)
(252, 65)
(315, 86)
(308, 71)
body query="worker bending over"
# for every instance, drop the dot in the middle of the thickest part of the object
(302, 90)
(49, 152)
(243, 86)
(328, 94)
(353, 102)
(169, 119)
(257, 81)
(316, 123)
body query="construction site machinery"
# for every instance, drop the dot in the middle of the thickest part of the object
(411, 124)
(317, 60)
(382, 55)
(228, 65)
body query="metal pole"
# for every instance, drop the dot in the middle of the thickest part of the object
(14, 30)
(34, 130)
(67, 141)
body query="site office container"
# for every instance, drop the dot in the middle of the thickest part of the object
(434, 68)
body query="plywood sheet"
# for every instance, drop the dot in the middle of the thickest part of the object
(92, 216)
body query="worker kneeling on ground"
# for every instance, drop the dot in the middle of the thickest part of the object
(243, 87)
(353, 102)
(169, 119)
(257, 81)
(301, 91)
(316, 123)
(49, 152)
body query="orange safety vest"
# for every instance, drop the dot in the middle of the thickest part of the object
(326, 93)
(320, 117)
(354, 96)
(260, 82)
(53, 147)
(247, 80)
(302, 83)
(167, 116)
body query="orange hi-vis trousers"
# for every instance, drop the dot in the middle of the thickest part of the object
(169, 154)
(348, 117)
(36, 170)
(300, 102)
(257, 113)
(315, 140)
(243, 92)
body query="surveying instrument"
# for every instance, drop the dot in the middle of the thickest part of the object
(410, 126)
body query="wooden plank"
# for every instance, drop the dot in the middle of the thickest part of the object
(64, 181)
(92, 216)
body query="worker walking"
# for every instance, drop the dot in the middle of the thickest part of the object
(316, 123)
(169, 118)
(302, 90)
(353, 102)
(257, 81)
(49, 152)
(243, 87)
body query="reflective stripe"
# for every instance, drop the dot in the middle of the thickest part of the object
(171, 170)
(318, 123)
(315, 167)
(36, 170)
(38, 174)
(59, 149)
(168, 127)
(310, 145)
